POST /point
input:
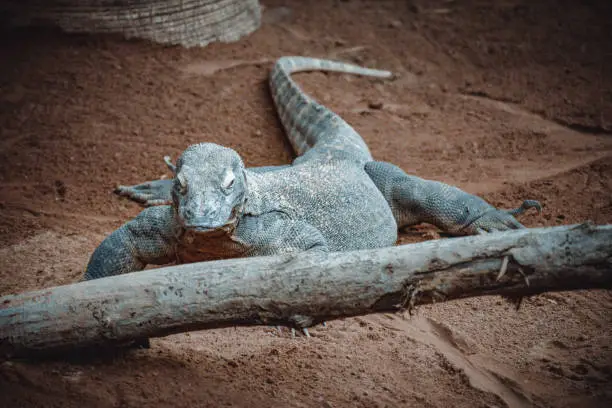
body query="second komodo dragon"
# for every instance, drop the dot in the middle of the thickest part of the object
(333, 197)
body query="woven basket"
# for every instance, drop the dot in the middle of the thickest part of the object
(185, 22)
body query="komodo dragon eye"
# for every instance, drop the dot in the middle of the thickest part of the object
(182, 183)
(228, 181)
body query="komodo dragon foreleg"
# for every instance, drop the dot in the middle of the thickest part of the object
(414, 200)
(146, 239)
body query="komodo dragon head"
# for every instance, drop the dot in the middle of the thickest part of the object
(209, 188)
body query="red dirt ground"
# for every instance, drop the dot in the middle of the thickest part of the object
(509, 99)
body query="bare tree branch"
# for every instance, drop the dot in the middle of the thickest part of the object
(304, 289)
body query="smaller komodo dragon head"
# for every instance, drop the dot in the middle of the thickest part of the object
(209, 188)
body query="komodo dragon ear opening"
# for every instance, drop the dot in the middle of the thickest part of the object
(171, 166)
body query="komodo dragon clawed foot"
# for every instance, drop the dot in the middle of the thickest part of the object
(302, 323)
(502, 220)
(148, 194)
(527, 204)
(304, 330)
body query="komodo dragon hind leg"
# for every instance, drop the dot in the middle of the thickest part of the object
(414, 200)
(148, 194)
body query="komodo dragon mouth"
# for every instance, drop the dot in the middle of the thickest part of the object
(227, 228)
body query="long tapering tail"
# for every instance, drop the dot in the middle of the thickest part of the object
(306, 122)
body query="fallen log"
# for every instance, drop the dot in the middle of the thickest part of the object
(304, 289)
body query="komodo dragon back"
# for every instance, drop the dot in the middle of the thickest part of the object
(310, 126)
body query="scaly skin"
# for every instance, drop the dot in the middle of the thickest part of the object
(333, 197)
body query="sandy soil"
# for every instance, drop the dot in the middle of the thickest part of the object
(510, 101)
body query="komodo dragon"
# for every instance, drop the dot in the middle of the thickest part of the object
(333, 197)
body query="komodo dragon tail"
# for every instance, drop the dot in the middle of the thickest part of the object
(307, 122)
